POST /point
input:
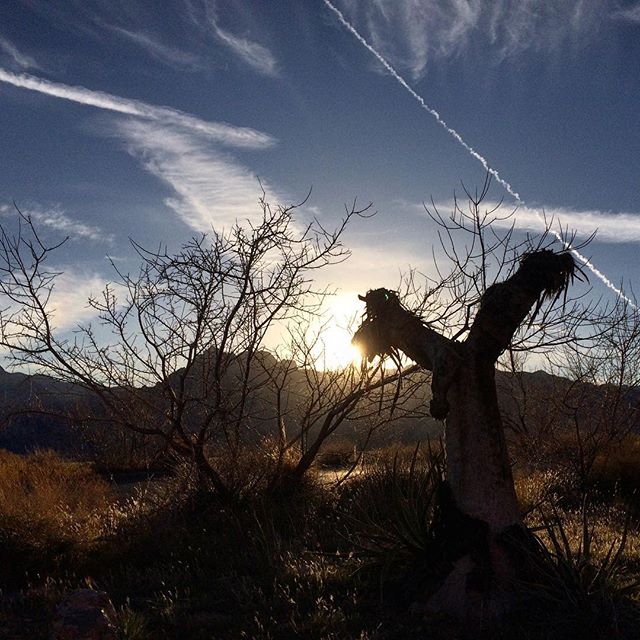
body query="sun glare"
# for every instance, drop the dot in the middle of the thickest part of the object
(342, 316)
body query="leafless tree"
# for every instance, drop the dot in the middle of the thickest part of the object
(586, 402)
(184, 360)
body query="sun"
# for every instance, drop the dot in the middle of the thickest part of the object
(336, 350)
(340, 319)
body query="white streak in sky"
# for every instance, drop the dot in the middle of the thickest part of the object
(218, 131)
(160, 51)
(23, 61)
(210, 188)
(610, 227)
(430, 29)
(630, 14)
(614, 228)
(472, 152)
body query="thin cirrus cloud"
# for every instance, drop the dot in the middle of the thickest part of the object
(158, 50)
(255, 55)
(630, 14)
(210, 188)
(9, 50)
(68, 305)
(223, 133)
(69, 302)
(609, 227)
(412, 33)
(56, 219)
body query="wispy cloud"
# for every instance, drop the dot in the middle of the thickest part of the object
(68, 305)
(211, 189)
(16, 57)
(629, 14)
(609, 227)
(253, 54)
(412, 32)
(218, 131)
(57, 219)
(158, 50)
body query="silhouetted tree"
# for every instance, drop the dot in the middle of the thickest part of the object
(186, 363)
(499, 295)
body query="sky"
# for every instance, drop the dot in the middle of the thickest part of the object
(160, 120)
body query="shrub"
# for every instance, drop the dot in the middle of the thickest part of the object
(390, 509)
(617, 468)
(47, 506)
(578, 582)
(337, 454)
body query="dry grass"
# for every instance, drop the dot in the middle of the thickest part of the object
(538, 485)
(618, 467)
(44, 498)
(176, 561)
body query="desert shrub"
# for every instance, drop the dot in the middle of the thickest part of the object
(196, 564)
(254, 468)
(337, 453)
(617, 468)
(390, 510)
(48, 507)
(538, 485)
(579, 579)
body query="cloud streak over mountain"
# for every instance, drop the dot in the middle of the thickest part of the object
(609, 227)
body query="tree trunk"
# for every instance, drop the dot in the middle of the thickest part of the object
(478, 466)
(480, 509)
(480, 521)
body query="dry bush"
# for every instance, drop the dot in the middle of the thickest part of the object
(617, 468)
(45, 499)
(337, 453)
(537, 485)
(402, 454)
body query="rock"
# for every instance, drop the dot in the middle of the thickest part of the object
(85, 614)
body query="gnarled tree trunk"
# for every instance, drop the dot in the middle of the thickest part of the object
(481, 514)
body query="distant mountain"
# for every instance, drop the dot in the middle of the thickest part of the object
(33, 408)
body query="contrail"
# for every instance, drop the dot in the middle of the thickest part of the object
(219, 131)
(472, 152)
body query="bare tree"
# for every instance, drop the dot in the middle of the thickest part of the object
(185, 361)
(586, 402)
(496, 293)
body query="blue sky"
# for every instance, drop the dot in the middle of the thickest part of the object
(152, 120)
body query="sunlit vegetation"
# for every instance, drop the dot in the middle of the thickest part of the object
(328, 562)
(45, 500)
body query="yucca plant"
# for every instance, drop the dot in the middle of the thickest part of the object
(565, 574)
(391, 511)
